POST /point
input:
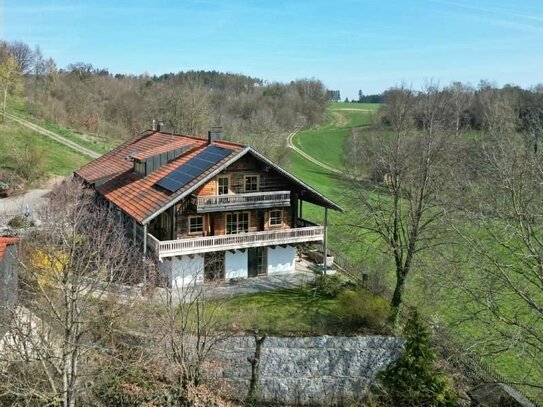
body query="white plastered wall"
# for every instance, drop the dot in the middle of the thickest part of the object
(184, 270)
(281, 259)
(235, 264)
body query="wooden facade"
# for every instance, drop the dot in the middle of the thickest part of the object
(176, 222)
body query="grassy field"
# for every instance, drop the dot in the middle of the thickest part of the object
(326, 144)
(98, 144)
(57, 158)
(357, 106)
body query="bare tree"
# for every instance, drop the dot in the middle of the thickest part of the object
(67, 271)
(190, 330)
(401, 211)
(9, 81)
(459, 97)
(503, 245)
(253, 395)
(22, 54)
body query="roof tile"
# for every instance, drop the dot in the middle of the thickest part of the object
(138, 196)
(5, 242)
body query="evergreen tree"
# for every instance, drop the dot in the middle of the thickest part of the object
(413, 380)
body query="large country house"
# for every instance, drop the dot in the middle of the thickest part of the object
(207, 209)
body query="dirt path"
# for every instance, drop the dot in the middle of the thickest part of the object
(290, 144)
(58, 138)
(350, 109)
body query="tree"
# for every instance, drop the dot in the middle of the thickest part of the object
(9, 81)
(67, 271)
(253, 396)
(188, 329)
(360, 96)
(413, 379)
(460, 97)
(407, 167)
(22, 54)
(502, 241)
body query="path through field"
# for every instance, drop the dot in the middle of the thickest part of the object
(305, 155)
(57, 137)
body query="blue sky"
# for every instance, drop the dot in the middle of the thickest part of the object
(349, 45)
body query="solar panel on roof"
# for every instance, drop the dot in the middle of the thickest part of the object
(193, 168)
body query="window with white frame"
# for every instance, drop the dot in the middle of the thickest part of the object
(250, 183)
(196, 224)
(276, 217)
(237, 223)
(222, 188)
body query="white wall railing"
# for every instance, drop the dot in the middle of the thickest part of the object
(180, 247)
(210, 203)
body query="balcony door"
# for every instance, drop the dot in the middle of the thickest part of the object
(257, 262)
(223, 188)
(237, 222)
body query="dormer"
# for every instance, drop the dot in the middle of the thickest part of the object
(148, 161)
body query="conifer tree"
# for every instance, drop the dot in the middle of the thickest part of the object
(413, 380)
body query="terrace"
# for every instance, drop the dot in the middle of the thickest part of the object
(180, 247)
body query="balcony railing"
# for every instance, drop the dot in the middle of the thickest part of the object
(180, 247)
(217, 203)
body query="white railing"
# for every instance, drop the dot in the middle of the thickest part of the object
(243, 201)
(170, 248)
(153, 243)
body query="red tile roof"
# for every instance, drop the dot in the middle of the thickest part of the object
(138, 196)
(117, 161)
(175, 144)
(5, 242)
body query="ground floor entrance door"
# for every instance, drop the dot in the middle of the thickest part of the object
(257, 261)
(213, 267)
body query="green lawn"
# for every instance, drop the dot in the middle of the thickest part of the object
(292, 311)
(57, 158)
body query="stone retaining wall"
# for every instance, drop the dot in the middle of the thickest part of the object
(324, 370)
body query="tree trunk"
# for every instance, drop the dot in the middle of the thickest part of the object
(254, 386)
(397, 297)
(4, 104)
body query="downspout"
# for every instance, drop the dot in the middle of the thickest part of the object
(325, 243)
(144, 254)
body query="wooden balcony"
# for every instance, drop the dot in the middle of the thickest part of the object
(233, 202)
(180, 247)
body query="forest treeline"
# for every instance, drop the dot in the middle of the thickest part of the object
(93, 100)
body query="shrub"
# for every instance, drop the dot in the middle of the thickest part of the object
(330, 286)
(3, 185)
(360, 309)
(17, 222)
(413, 380)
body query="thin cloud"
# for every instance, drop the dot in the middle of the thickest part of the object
(492, 10)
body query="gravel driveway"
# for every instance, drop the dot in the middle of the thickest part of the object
(16, 205)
